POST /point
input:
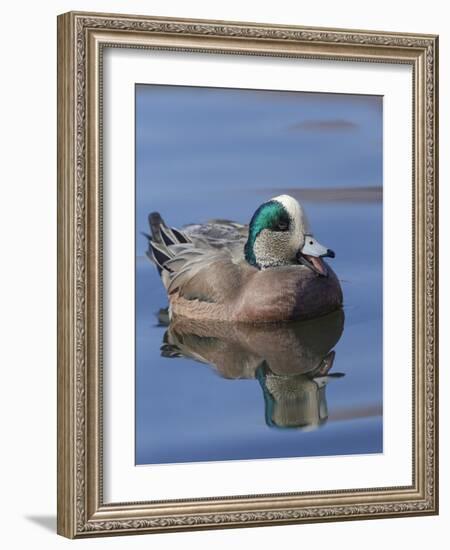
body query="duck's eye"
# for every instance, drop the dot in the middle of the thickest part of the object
(282, 226)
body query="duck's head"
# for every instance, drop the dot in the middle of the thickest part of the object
(279, 234)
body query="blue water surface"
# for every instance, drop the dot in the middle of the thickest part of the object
(204, 153)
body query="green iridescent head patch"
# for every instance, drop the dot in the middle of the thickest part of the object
(271, 215)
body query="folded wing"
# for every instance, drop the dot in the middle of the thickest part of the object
(201, 262)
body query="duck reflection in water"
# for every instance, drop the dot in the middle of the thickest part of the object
(291, 361)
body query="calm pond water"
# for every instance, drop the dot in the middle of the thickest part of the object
(267, 394)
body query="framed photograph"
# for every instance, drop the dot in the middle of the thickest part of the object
(247, 274)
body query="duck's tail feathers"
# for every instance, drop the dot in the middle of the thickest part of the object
(181, 237)
(158, 255)
(161, 239)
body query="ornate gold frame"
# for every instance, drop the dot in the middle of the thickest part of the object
(81, 38)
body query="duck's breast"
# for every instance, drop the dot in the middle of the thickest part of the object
(288, 293)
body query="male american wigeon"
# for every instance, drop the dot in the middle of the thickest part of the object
(271, 270)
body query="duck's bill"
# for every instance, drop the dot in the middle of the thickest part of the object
(311, 256)
(315, 264)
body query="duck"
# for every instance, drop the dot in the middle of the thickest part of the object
(271, 270)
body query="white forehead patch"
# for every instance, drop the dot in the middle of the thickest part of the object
(295, 210)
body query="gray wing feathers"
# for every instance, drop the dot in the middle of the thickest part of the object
(211, 278)
(192, 264)
(185, 269)
(163, 243)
